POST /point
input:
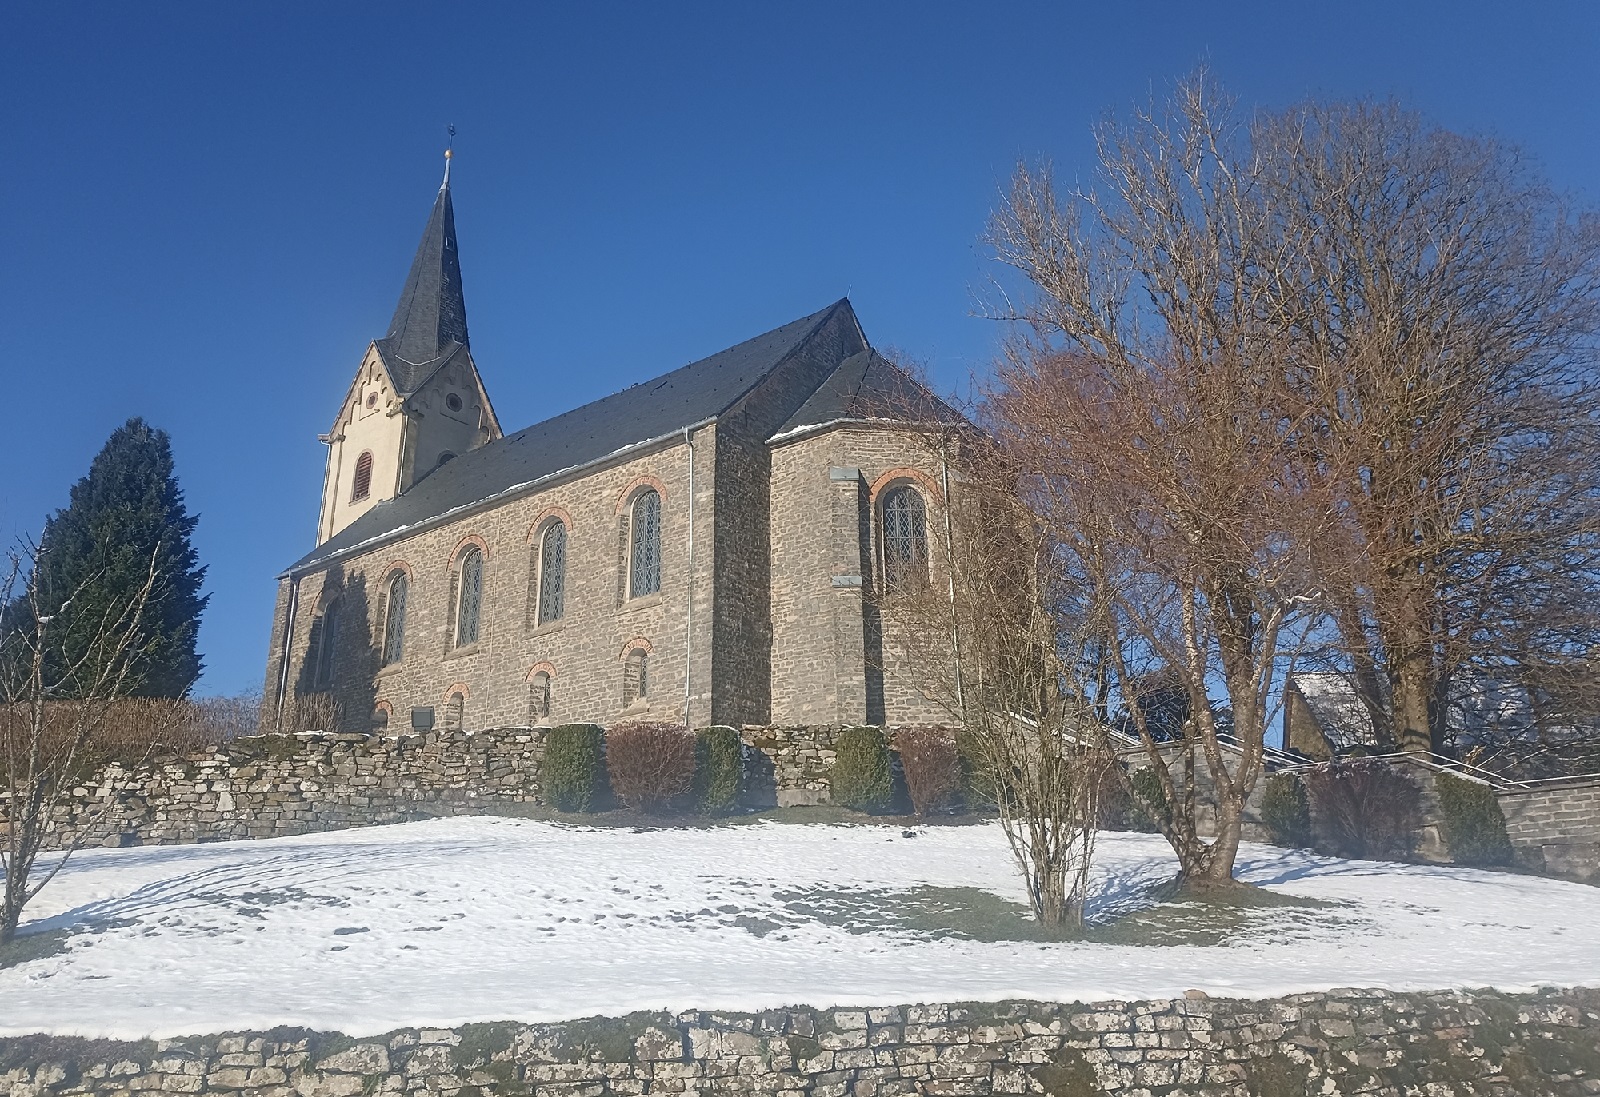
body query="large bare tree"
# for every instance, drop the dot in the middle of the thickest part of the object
(53, 707)
(1146, 401)
(1441, 306)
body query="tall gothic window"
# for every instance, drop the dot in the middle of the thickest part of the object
(644, 565)
(469, 599)
(905, 538)
(361, 486)
(394, 619)
(552, 572)
(635, 677)
(325, 632)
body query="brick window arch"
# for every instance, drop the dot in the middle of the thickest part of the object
(539, 696)
(361, 484)
(903, 525)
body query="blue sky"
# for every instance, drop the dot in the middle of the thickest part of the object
(210, 207)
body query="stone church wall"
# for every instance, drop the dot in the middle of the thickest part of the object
(1343, 1041)
(583, 652)
(834, 659)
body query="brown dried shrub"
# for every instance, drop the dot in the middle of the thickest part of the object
(136, 728)
(1363, 808)
(651, 765)
(932, 767)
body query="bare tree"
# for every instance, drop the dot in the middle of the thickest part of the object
(53, 705)
(1145, 398)
(986, 642)
(1440, 306)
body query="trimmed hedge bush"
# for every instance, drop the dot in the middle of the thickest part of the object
(718, 770)
(1471, 822)
(1363, 807)
(862, 779)
(1149, 810)
(1286, 811)
(932, 767)
(651, 765)
(574, 766)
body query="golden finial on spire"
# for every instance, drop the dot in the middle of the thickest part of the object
(449, 154)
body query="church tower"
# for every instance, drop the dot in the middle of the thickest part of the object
(417, 400)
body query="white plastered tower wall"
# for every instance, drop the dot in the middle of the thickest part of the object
(417, 399)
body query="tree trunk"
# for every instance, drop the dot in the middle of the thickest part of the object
(1216, 869)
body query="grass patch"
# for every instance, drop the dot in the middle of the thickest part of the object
(34, 946)
(935, 913)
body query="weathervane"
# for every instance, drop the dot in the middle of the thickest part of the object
(449, 153)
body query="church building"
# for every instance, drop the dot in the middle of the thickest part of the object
(701, 547)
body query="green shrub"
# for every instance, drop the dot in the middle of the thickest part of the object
(1470, 819)
(932, 767)
(1286, 811)
(718, 770)
(651, 765)
(574, 765)
(862, 779)
(1149, 810)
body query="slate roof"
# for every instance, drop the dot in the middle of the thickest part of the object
(690, 395)
(867, 386)
(430, 320)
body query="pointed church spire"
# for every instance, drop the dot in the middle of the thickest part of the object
(432, 312)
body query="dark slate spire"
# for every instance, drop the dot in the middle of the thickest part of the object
(432, 312)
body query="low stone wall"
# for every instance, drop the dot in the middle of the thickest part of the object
(1349, 1042)
(266, 786)
(1555, 827)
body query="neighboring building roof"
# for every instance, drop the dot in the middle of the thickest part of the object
(662, 406)
(430, 320)
(1338, 710)
(867, 387)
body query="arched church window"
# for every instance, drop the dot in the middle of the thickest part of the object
(394, 619)
(361, 486)
(469, 599)
(325, 632)
(552, 569)
(635, 677)
(905, 538)
(539, 697)
(644, 566)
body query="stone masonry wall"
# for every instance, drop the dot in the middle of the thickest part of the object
(1341, 1042)
(1556, 828)
(269, 786)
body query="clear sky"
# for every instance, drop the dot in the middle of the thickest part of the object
(210, 207)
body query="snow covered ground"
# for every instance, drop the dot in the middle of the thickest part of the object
(446, 922)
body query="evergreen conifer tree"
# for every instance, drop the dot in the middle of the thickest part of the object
(128, 509)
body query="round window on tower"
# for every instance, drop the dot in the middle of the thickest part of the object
(453, 402)
(372, 399)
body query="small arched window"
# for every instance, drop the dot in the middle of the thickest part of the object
(644, 557)
(469, 597)
(444, 458)
(905, 538)
(539, 698)
(455, 712)
(552, 572)
(635, 677)
(361, 486)
(394, 619)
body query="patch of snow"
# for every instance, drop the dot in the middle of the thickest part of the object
(452, 921)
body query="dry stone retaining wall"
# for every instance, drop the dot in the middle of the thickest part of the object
(1341, 1042)
(1555, 828)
